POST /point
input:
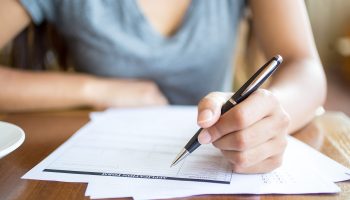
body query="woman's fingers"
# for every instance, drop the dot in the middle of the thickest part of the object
(209, 108)
(258, 105)
(254, 135)
(265, 166)
(209, 112)
(255, 156)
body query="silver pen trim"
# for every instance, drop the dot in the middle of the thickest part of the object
(233, 102)
(258, 79)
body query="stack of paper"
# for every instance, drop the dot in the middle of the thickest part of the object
(128, 152)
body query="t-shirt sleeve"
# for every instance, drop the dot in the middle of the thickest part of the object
(40, 10)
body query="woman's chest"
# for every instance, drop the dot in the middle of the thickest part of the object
(115, 37)
(165, 17)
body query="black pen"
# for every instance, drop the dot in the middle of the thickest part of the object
(249, 87)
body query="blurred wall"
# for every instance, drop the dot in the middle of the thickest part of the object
(330, 20)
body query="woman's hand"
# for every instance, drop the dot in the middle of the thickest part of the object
(252, 135)
(104, 93)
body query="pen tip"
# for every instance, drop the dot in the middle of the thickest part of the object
(183, 153)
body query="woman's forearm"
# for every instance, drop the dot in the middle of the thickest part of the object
(26, 91)
(33, 91)
(300, 86)
(299, 83)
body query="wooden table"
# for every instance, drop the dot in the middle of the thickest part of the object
(329, 133)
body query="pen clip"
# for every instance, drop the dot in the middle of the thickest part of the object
(260, 76)
(268, 69)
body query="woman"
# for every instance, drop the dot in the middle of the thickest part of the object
(155, 52)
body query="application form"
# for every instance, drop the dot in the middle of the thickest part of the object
(303, 171)
(124, 144)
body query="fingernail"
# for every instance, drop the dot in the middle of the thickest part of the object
(205, 115)
(204, 137)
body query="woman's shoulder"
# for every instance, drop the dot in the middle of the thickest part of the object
(57, 11)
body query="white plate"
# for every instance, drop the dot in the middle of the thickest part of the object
(11, 137)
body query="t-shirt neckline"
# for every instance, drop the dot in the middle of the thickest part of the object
(151, 29)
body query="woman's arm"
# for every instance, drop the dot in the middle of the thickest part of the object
(282, 27)
(13, 19)
(30, 91)
(252, 134)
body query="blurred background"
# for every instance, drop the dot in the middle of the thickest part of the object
(330, 21)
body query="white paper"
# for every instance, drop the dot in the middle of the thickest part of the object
(129, 149)
(139, 143)
(291, 178)
(278, 182)
(319, 162)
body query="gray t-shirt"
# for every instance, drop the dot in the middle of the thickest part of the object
(113, 38)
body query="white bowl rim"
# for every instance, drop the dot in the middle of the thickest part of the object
(17, 143)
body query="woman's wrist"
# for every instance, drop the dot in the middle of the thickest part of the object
(91, 91)
(107, 92)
